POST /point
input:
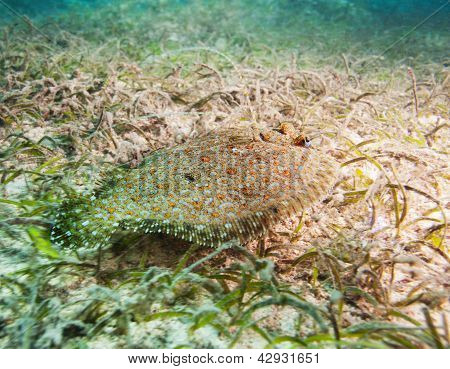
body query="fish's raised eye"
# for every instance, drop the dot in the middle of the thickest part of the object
(302, 141)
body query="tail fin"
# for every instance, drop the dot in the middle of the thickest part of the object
(74, 226)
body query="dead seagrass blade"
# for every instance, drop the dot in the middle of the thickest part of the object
(232, 184)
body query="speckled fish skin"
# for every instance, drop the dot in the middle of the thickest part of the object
(232, 184)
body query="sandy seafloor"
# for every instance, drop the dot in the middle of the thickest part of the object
(86, 87)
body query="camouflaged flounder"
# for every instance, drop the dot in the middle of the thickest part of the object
(232, 184)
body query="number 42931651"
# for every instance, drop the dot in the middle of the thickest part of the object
(284, 357)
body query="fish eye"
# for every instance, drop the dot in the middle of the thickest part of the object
(302, 141)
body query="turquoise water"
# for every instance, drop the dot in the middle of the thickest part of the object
(387, 10)
(361, 19)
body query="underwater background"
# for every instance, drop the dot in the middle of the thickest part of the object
(389, 11)
(283, 20)
(86, 86)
